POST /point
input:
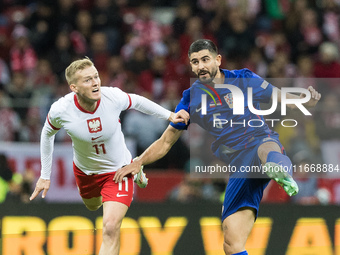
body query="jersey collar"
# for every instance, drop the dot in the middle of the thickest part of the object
(81, 108)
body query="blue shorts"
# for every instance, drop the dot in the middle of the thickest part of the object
(245, 189)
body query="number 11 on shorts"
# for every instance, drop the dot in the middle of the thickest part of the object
(120, 185)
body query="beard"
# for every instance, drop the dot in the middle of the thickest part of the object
(207, 79)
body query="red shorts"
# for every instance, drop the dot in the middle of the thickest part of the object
(97, 185)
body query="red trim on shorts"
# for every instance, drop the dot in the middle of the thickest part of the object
(97, 185)
(81, 108)
(130, 102)
(53, 127)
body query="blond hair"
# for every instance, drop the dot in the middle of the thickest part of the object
(75, 66)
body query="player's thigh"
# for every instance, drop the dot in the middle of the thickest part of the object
(93, 203)
(113, 214)
(237, 226)
(118, 192)
(265, 148)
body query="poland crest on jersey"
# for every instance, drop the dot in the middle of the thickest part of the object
(94, 125)
(229, 100)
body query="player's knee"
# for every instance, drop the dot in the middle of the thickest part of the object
(227, 248)
(111, 228)
(93, 204)
(93, 207)
(232, 248)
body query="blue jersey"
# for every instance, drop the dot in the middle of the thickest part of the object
(233, 131)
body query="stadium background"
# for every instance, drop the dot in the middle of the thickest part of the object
(141, 47)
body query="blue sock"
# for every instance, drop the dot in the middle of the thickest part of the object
(280, 159)
(241, 253)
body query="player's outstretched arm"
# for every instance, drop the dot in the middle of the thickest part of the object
(154, 152)
(46, 150)
(149, 107)
(315, 97)
(42, 185)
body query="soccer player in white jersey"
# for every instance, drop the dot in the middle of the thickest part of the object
(90, 115)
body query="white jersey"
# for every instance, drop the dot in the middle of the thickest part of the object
(97, 139)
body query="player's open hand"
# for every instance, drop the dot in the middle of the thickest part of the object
(132, 168)
(315, 97)
(42, 185)
(180, 116)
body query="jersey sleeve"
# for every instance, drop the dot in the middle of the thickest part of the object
(125, 101)
(46, 150)
(146, 106)
(122, 99)
(262, 90)
(51, 127)
(53, 118)
(184, 104)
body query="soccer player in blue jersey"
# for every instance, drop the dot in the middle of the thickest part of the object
(237, 145)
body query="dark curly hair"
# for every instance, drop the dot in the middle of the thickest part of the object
(202, 44)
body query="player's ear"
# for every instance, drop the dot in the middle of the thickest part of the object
(218, 59)
(73, 88)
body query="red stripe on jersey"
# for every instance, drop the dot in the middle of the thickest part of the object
(82, 109)
(55, 128)
(213, 90)
(130, 102)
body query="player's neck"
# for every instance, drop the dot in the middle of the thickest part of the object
(88, 106)
(219, 78)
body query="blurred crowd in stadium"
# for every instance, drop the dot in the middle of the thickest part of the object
(141, 47)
